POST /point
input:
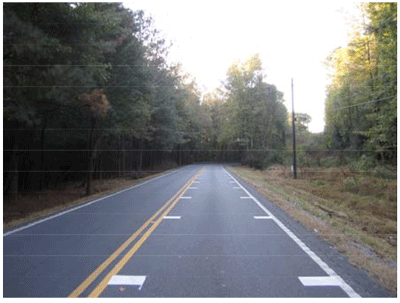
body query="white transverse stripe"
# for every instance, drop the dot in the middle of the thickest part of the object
(127, 280)
(320, 281)
(186, 197)
(245, 197)
(172, 217)
(262, 217)
(346, 288)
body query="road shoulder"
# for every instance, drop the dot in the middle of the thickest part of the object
(104, 189)
(337, 244)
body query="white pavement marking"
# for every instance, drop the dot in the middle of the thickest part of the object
(232, 181)
(262, 217)
(345, 287)
(127, 280)
(81, 206)
(237, 187)
(246, 198)
(320, 281)
(193, 187)
(186, 197)
(172, 217)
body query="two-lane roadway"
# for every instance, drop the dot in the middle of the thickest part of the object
(194, 232)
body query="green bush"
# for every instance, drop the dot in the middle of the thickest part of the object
(351, 184)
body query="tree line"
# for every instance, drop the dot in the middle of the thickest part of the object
(89, 93)
(248, 116)
(361, 103)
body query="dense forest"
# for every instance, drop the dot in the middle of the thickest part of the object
(361, 104)
(89, 93)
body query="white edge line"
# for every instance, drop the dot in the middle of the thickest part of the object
(345, 287)
(81, 206)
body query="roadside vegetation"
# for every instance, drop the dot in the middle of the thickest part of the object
(91, 103)
(346, 186)
(355, 212)
(37, 205)
(91, 94)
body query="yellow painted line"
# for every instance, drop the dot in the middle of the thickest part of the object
(103, 284)
(89, 280)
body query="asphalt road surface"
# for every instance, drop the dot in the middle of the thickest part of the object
(198, 231)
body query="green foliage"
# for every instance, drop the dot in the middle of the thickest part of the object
(84, 75)
(361, 104)
(302, 121)
(255, 117)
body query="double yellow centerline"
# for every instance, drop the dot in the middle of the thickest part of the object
(153, 221)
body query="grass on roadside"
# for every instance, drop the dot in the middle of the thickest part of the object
(355, 213)
(33, 206)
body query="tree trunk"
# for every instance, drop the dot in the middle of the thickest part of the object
(141, 156)
(101, 167)
(89, 188)
(179, 155)
(123, 156)
(42, 173)
(14, 174)
(118, 156)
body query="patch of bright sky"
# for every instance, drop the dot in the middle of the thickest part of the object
(293, 39)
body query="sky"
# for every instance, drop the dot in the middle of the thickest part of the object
(293, 38)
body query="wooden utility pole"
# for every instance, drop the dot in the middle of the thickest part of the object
(294, 137)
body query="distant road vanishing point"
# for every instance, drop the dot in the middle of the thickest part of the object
(198, 231)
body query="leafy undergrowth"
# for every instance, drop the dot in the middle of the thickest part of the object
(31, 206)
(354, 212)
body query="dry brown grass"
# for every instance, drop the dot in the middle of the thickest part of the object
(354, 212)
(32, 206)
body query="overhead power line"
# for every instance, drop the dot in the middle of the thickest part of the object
(358, 94)
(81, 65)
(105, 86)
(200, 150)
(363, 103)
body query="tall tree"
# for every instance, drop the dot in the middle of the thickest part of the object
(382, 135)
(361, 104)
(255, 114)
